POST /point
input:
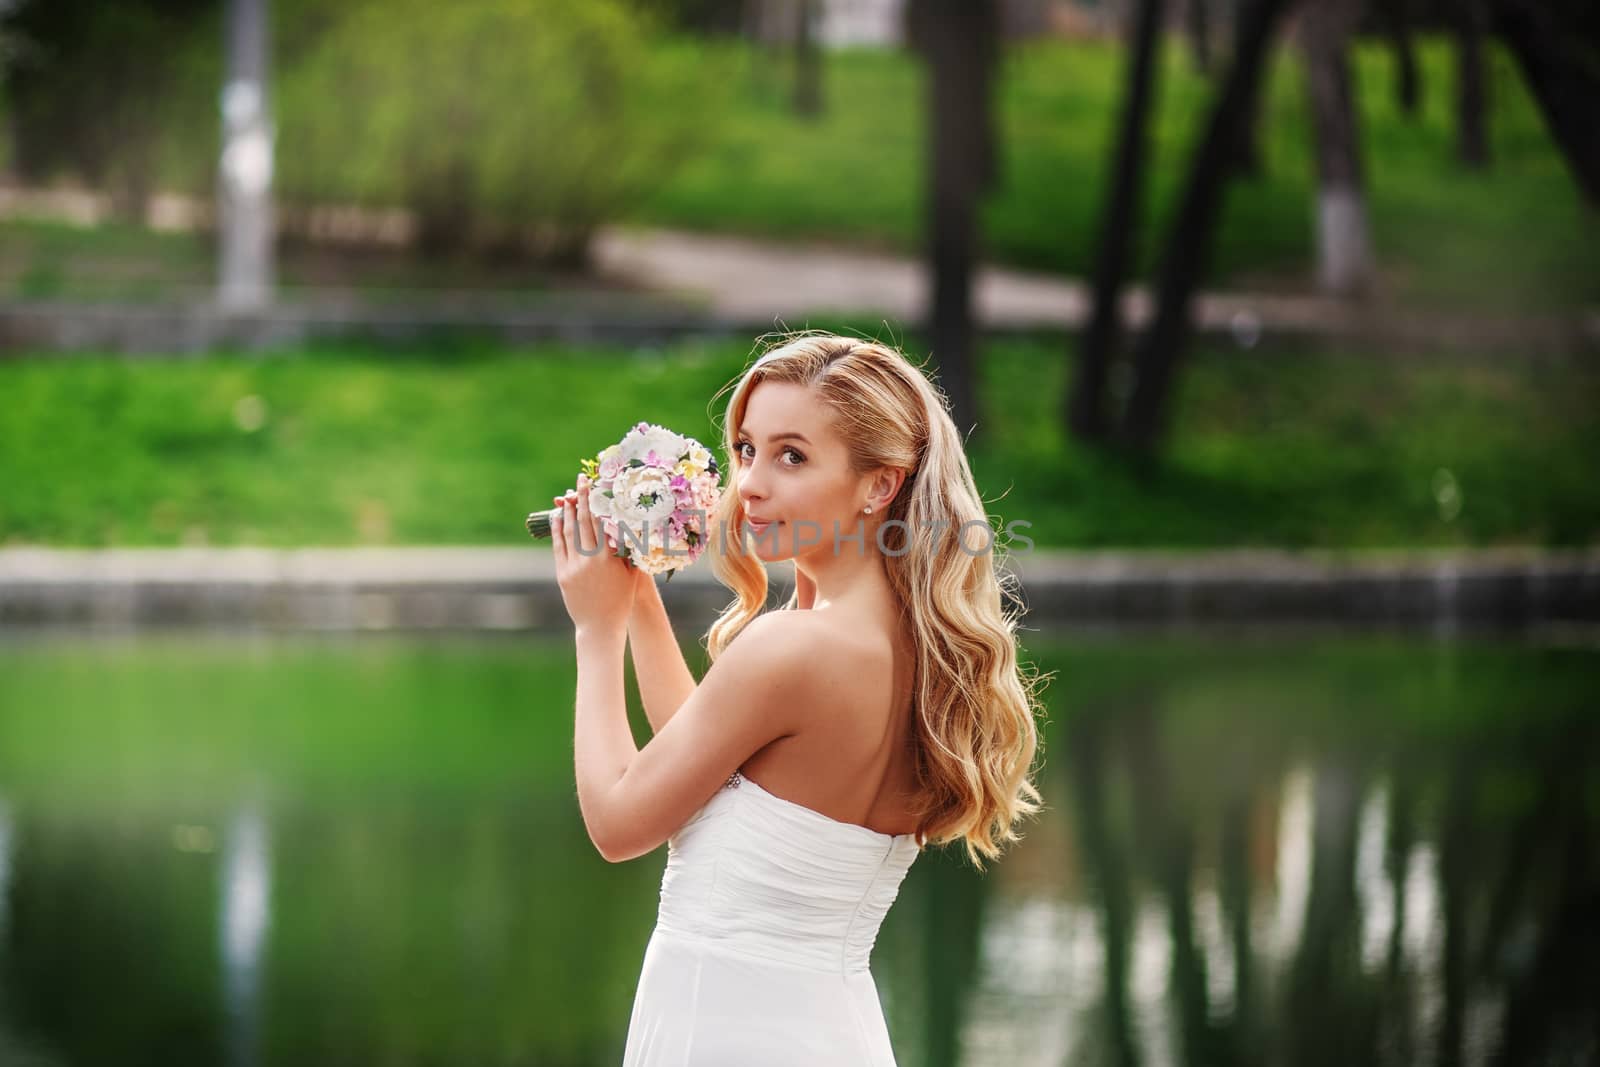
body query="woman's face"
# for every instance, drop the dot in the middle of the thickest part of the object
(793, 474)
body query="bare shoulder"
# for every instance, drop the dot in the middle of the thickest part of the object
(768, 664)
(802, 641)
(815, 657)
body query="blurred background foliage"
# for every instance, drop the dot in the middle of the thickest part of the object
(509, 132)
(428, 108)
(492, 147)
(379, 103)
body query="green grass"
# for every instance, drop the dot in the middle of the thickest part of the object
(1281, 447)
(53, 260)
(1515, 238)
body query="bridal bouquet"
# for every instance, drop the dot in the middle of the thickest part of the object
(654, 491)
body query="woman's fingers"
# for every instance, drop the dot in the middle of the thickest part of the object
(572, 524)
(585, 531)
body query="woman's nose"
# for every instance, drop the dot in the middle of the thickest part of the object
(750, 489)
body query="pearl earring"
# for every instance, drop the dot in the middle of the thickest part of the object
(867, 509)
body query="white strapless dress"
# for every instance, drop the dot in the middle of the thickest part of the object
(769, 911)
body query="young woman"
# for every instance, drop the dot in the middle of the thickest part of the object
(880, 710)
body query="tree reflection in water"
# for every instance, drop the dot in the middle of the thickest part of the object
(1450, 914)
(1363, 851)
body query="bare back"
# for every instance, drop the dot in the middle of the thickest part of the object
(853, 759)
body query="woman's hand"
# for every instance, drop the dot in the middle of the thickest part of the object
(597, 586)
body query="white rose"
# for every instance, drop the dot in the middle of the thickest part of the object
(643, 494)
(667, 445)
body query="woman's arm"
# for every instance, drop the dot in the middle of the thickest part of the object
(665, 681)
(759, 690)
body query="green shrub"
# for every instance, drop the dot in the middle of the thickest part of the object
(499, 123)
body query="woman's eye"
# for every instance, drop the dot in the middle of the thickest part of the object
(796, 460)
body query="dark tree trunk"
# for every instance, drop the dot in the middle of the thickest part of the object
(1328, 1024)
(1102, 851)
(1344, 252)
(807, 62)
(1188, 244)
(1245, 154)
(1457, 840)
(1472, 136)
(960, 40)
(1549, 1013)
(1197, 23)
(1558, 62)
(1396, 15)
(1234, 861)
(1158, 819)
(1087, 419)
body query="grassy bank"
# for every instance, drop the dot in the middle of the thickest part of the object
(350, 446)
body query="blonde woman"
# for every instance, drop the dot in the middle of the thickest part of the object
(881, 710)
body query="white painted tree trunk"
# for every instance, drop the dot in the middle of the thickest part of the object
(1344, 249)
(244, 209)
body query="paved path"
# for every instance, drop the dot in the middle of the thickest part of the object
(513, 588)
(726, 285)
(750, 279)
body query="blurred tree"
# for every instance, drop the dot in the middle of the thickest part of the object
(1557, 45)
(1472, 136)
(807, 61)
(1245, 155)
(960, 41)
(1334, 1020)
(700, 16)
(1086, 415)
(1549, 1013)
(1193, 229)
(1088, 764)
(1197, 21)
(1396, 16)
(89, 86)
(1168, 837)
(1344, 248)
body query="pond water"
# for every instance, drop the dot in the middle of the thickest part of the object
(1259, 848)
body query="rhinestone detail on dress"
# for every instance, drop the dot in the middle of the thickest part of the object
(733, 780)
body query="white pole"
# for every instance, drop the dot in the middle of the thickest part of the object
(245, 223)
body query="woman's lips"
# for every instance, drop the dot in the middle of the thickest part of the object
(759, 527)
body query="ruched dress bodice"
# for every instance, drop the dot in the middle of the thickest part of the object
(761, 950)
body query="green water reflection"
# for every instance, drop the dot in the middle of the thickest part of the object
(1259, 849)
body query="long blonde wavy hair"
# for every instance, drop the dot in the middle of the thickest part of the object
(975, 705)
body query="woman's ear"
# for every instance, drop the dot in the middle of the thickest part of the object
(885, 486)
